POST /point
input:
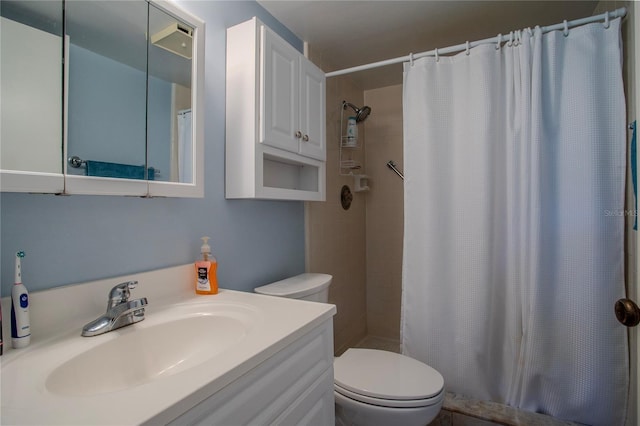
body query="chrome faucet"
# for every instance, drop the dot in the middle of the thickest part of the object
(120, 311)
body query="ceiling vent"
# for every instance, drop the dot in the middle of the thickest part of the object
(176, 39)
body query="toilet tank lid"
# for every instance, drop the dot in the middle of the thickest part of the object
(296, 287)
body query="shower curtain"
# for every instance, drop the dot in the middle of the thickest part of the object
(514, 164)
(185, 159)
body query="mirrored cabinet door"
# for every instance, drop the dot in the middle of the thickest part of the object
(175, 87)
(169, 113)
(31, 77)
(107, 96)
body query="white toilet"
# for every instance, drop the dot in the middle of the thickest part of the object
(371, 387)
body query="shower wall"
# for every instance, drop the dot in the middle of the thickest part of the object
(361, 247)
(335, 238)
(384, 211)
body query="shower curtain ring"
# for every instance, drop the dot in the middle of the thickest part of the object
(510, 39)
(468, 52)
(606, 20)
(411, 58)
(499, 39)
(437, 57)
(566, 28)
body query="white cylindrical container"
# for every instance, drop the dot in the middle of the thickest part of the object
(352, 132)
(20, 324)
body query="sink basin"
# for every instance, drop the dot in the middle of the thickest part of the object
(174, 341)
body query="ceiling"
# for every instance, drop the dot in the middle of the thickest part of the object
(342, 34)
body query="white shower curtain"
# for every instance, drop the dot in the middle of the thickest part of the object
(513, 245)
(185, 143)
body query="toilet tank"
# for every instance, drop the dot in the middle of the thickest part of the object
(312, 287)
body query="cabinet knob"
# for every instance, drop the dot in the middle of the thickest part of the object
(298, 134)
(305, 138)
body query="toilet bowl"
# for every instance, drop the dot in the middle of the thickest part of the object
(371, 387)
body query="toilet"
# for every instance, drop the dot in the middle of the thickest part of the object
(371, 387)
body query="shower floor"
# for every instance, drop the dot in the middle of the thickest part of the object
(458, 410)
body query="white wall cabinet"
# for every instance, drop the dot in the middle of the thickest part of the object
(292, 99)
(275, 118)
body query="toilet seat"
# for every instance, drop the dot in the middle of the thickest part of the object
(387, 379)
(390, 403)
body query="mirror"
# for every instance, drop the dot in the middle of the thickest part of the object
(107, 88)
(129, 114)
(31, 80)
(129, 95)
(169, 106)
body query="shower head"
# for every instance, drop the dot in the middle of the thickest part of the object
(361, 113)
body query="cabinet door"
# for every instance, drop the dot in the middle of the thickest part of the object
(312, 110)
(31, 86)
(279, 101)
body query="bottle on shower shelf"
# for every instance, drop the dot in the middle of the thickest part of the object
(352, 133)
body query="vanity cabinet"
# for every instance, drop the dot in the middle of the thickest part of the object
(275, 118)
(292, 387)
(236, 358)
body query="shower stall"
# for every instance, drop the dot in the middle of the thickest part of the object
(362, 247)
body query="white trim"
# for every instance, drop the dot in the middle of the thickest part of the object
(91, 185)
(34, 182)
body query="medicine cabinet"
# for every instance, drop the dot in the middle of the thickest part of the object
(275, 120)
(114, 107)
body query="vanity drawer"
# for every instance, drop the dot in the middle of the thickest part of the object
(299, 375)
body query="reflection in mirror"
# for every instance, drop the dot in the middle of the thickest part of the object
(31, 86)
(129, 100)
(169, 137)
(107, 86)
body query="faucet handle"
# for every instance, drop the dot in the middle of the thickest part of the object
(120, 293)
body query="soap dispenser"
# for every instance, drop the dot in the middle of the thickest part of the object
(206, 280)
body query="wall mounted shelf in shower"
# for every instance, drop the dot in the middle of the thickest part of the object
(350, 144)
(347, 142)
(350, 165)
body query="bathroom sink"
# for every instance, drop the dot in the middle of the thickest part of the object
(166, 343)
(189, 348)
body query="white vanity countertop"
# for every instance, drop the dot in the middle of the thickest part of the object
(57, 316)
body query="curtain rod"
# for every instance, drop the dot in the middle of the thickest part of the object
(618, 13)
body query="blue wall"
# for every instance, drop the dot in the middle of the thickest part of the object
(70, 239)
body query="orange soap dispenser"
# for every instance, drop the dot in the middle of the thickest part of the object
(206, 280)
